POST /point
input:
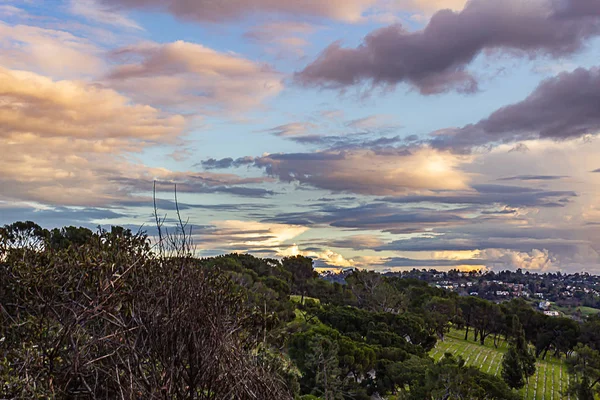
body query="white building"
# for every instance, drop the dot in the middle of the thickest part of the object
(552, 313)
(544, 305)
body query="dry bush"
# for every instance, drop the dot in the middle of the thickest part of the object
(108, 319)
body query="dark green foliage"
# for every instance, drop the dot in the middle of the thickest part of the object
(584, 365)
(518, 364)
(512, 373)
(420, 378)
(560, 334)
(301, 271)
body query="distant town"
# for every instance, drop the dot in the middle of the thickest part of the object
(555, 294)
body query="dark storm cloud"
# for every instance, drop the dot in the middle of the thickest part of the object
(435, 59)
(562, 107)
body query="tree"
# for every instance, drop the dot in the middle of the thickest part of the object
(518, 364)
(584, 366)
(451, 378)
(558, 333)
(512, 372)
(323, 359)
(302, 271)
(439, 312)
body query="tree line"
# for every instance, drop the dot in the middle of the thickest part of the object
(95, 315)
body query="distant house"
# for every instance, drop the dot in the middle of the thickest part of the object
(552, 313)
(502, 293)
(544, 305)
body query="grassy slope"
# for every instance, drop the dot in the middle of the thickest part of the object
(549, 381)
(585, 311)
(297, 298)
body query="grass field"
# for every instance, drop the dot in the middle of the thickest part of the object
(549, 382)
(581, 310)
(297, 298)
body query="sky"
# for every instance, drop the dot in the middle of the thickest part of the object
(378, 134)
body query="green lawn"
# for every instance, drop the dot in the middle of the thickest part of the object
(583, 311)
(549, 382)
(296, 298)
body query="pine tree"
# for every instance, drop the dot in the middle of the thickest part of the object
(584, 390)
(518, 364)
(526, 357)
(323, 359)
(512, 373)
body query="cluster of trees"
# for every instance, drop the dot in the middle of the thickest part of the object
(88, 314)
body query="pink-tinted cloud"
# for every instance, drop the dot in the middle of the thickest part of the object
(55, 52)
(71, 143)
(435, 59)
(282, 38)
(217, 11)
(193, 76)
(34, 104)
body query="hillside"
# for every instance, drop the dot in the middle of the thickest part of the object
(82, 312)
(550, 381)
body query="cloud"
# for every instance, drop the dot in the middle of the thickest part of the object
(282, 37)
(49, 51)
(435, 59)
(486, 194)
(357, 242)
(375, 216)
(536, 260)
(62, 140)
(58, 216)
(70, 143)
(303, 129)
(596, 171)
(533, 178)
(429, 6)
(219, 11)
(36, 105)
(92, 11)
(327, 258)
(192, 76)
(225, 163)
(242, 235)
(369, 172)
(559, 108)
(525, 235)
(6, 10)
